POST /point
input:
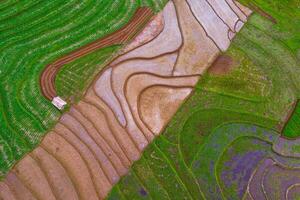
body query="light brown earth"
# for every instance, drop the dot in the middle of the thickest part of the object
(168, 41)
(157, 104)
(198, 51)
(151, 31)
(238, 9)
(126, 107)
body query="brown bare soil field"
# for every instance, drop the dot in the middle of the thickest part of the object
(47, 79)
(198, 51)
(237, 10)
(151, 31)
(158, 104)
(222, 65)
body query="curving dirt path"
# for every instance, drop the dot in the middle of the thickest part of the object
(126, 107)
(47, 79)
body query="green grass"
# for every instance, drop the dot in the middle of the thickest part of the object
(287, 15)
(156, 5)
(292, 128)
(227, 115)
(34, 34)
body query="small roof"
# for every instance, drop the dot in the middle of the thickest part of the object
(59, 103)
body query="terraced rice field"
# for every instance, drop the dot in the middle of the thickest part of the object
(224, 142)
(29, 40)
(191, 107)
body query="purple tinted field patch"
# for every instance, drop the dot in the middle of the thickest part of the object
(254, 185)
(278, 179)
(287, 147)
(238, 163)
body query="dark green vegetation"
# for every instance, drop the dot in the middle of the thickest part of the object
(292, 128)
(156, 5)
(287, 16)
(34, 34)
(230, 119)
